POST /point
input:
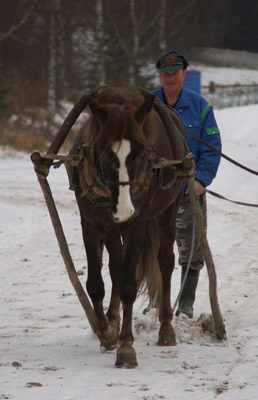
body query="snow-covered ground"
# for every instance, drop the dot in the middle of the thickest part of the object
(47, 349)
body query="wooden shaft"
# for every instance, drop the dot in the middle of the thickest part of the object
(66, 126)
(41, 164)
(82, 296)
(218, 320)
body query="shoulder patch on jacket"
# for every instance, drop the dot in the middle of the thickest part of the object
(213, 130)
(204, 111)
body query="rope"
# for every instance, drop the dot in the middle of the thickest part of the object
(219, 196)
(222, 154)
(211, 147)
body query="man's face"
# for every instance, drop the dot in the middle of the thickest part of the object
(172, 81)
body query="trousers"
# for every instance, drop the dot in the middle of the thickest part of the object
(184, 233)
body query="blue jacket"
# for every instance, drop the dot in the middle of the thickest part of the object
(198, 117)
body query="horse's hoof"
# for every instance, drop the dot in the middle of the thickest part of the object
(167, 336)
(109, 340)
(107, 347)
(126, 357)
(167, 339)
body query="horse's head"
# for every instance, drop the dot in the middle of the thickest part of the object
(120, 147)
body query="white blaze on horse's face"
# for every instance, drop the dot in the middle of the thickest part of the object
(125, 208)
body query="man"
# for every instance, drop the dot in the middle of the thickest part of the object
(199, 118)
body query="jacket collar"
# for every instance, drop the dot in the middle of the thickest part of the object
(183, 100)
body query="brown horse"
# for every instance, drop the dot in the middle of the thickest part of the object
(123, 205)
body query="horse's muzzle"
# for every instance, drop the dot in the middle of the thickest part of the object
(123, 217)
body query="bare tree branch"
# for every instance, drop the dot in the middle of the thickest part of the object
(14, 28)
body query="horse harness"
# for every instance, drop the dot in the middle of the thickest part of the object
(95, 185)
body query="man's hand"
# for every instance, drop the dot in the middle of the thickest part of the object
(199, 189)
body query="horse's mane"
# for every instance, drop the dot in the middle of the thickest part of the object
(114, 117)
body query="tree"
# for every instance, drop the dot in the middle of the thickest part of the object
(10, 33)
(61, 83)
(242, 32)
(100, 43)
(5, 91)
(134, 31)
(52, 61)
(162, 27)
(66, 48)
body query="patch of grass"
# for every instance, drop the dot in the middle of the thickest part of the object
(21, 138)
(31, 137)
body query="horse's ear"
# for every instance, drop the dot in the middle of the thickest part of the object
(145, 108)
(99, 112)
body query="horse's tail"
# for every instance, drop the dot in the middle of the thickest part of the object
(149, 280)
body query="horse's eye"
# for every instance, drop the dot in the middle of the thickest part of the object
(109, 158)
(113, 162)
(112, 156)
(137, 155)
(140, 155)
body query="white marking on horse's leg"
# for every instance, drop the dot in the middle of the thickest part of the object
(125, 208)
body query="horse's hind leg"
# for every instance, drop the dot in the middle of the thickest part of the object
(166, 263)
(114, 248)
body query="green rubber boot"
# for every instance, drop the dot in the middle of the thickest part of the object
(187, 297)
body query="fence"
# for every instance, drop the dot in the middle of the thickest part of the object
(222, 96)
(230, 96)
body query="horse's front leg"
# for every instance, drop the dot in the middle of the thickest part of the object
(126, 355)
(94, 243)
(166, 263)
(114, 248)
